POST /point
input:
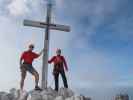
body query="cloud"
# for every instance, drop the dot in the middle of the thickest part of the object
(21, 8)
(94, 66)
(90, 13)
(9, 54)
(18, 7)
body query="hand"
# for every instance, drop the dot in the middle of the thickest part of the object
(20, 66)
(20, 63)
(43, 49)
(48, 62)
(41, 52)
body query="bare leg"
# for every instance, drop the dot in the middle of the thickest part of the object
(23, 75)
(36, 75)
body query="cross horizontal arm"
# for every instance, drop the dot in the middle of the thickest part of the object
(44, 25)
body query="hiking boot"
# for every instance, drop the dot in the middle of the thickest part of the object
(38, 88)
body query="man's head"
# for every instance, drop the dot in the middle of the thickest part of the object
(31, 47)
(58, 51)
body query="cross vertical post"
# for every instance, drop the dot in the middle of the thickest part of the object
(46, 48)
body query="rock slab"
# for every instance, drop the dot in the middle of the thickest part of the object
(48, 94)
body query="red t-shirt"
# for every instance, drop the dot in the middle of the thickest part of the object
(29, 56)
(58, 59)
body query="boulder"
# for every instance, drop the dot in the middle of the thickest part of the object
(22, 95)
(52, 92)
(87, 98)
(34, 95)
(2, 93)
(47, 94)
(70, 98)
(78, 97)
(49, 91)
(10, 95)
(70, 93)
(4, 96)
(59, 98)
(13, 94)
(65, 92)
(47, 97)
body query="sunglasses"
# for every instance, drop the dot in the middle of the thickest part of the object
(31, 47)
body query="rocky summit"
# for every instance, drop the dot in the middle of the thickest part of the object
(47, 94)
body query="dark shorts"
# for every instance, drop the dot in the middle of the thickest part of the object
(27, 67)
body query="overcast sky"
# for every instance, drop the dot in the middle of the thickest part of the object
(98, 48)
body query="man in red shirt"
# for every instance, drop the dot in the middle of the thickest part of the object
(26, 60)
(59, 65)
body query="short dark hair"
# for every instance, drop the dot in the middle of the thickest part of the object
(58, 50)
(31, 46)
